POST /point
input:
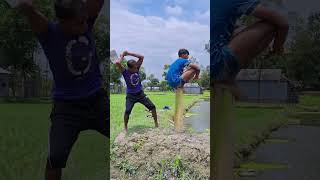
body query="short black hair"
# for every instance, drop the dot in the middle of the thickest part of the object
(70, 8)
(182, 51)
(130, 63)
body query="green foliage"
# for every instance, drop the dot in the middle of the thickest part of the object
(165, 71)
(139, 144)
(127, 167)
(164, 86)
(304, 61)
(153, 81)
(204, 80)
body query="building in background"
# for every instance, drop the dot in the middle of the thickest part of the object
(266, 85)
(192, 88)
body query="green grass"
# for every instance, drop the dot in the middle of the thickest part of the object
(311, 101)
(23, 139)
(138, 120)
(263, 166)
(251, 122)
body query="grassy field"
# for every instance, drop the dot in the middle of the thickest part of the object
(24, 129)
(23, 146)
(138, 119)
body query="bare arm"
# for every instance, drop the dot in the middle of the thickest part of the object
(121, 68)
(39, 23)
(139, 56)
(94, 7)
(276, 19)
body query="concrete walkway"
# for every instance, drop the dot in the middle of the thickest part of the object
(301, 154)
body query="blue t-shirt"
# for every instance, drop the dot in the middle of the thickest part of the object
(73, 62)
(225, 14)
(133, 81)
(176, 69)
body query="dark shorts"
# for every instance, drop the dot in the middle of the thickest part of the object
(69, 118)
(227, 66)
(140, 97)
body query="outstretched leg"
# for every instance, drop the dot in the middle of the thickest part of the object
(130, 101)
(155, 118)
(151, 107)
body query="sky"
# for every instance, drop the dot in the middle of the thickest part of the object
(159, 28)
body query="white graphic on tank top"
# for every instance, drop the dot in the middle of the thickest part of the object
(79, 56)
(134, 79)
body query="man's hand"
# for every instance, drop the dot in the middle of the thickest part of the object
(38, 22)
(125, 53)
(279, 21)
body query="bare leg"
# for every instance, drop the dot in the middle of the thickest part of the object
(246, 45)
(52, 174)
(154, 115)
(126, 120)
(250, 42)
(189, 74)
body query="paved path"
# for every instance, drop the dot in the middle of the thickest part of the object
(301, 155)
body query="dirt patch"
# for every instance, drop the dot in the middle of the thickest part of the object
(161, 154)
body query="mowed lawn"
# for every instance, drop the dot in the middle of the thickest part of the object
(252, 122)
(138, 119)
(23, 146)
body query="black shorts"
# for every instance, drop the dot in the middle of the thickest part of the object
(69, 118)
(140, 97)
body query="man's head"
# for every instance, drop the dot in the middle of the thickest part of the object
(132, 65)
(72, 15)
(183, 53)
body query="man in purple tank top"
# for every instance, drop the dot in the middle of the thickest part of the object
(135, 92)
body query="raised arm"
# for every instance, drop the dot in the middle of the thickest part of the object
(121, 68)
(94, 7)
(139, 56)
(39, 23)
(279, 21)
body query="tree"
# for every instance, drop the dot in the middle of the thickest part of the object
(18, 42)
(164, 85)
(101, 34)
(204, 80)
(153, 81)
(165, 71)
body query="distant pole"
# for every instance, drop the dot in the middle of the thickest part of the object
(178, 115)
(222, 129)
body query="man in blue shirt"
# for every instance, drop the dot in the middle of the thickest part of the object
(233, 47)
(135, 92)
(79, 102)
(182, 70)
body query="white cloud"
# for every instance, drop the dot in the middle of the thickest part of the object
(203, 15)
(158, 39)
(174, 10)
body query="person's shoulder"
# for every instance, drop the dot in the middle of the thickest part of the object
(125, 71)
(49, 35)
